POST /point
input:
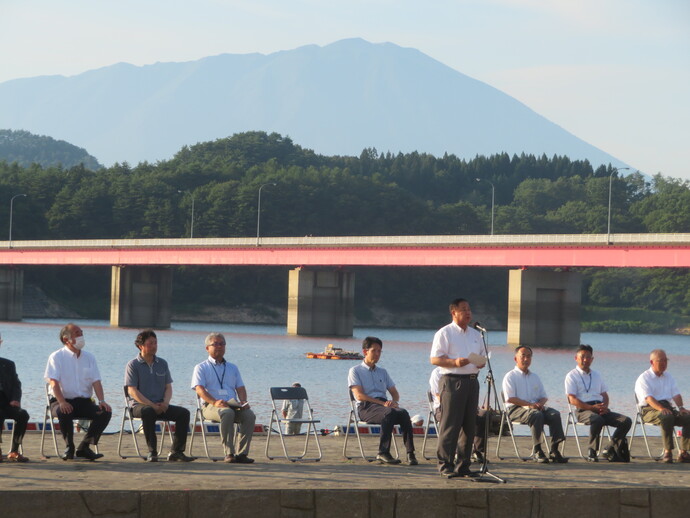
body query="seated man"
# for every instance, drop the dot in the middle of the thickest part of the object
(10, 408)
(73, 377)
(587, 392)
(149, 384)
(220, 385)
(369, 384)
(478, 443)
(525, 400)
(656, 390)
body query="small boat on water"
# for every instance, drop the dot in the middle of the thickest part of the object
(335, 353)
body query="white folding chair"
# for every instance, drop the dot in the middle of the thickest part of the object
(206, 426)
(431, 418)
(127, 415)
(11, 426)
(278, 395)
(355, 422)
(638, 419)
(505, 420)
(51, 421)
(572, 419)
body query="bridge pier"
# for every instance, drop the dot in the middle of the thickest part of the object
(321, 302)
(544, 308)
(140, 296)
(11, 294)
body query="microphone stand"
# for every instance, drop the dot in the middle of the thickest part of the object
(484, 469)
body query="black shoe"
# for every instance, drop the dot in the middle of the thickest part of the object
(68, 454)
(387, 458)
(609, 454)
(152, 457)
(243, 459)
(558, 458)
(178, 456)
(592, 456)
(88, 454)
(412, 459)
(540, 457)
(465, 473)
(447, 472)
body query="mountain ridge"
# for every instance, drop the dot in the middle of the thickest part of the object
(337, 99)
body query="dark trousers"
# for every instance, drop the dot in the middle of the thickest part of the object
(478, 443)
(82, 408)
(459, 398)
(388, 417)
(179, 415)
(21, 417)
(597, 422)
(536, 419)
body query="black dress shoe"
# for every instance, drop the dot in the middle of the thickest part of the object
(592, 456)
(387, 458)
(540, 457)
(68, 454)
(88, 454)
(464, 473)
(243, 459)
(178, 456)
(558, 458)
(412, 459)
(152, 457)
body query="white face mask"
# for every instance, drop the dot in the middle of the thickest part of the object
(79, 342)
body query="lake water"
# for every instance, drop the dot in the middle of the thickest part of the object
(267, 357)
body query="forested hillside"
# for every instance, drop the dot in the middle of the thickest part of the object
(373, 194)
(26, 149)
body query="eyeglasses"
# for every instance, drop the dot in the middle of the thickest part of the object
(216, 344)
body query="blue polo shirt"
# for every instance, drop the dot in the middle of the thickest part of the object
(374, 381)
(150, 380)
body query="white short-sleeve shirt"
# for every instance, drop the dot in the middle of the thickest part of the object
(659, 387)
(452, 341)
(76, 374)
(585, 386)
(526, 386)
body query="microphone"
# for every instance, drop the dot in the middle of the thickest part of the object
(478, 327)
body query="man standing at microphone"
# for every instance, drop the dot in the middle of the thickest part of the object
(458, 350)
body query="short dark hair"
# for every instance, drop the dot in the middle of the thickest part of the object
(455, 303)
(584, 347)
(143, 336)
(523, 347)
(66, 333)
(369, 341)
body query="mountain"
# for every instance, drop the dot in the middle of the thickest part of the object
(26, 149)
(337, 100)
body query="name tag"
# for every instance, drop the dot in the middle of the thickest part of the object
(223, 393)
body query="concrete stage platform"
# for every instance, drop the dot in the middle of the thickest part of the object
(334, 487)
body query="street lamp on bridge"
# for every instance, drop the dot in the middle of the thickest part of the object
(191, 226)
(258, 212)
(493, 197)
(608, 227)
(11, 210)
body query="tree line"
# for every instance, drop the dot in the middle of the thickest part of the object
(373, 194)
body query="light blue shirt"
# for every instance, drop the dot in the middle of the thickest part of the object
(221, 380)
(374, 381)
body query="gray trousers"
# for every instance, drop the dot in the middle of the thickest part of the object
(227, 417)
(597, 421)
(536, 419)
(459, 397)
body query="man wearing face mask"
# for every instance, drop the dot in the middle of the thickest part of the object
(73, 377)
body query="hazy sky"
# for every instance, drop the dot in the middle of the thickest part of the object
(615, 73)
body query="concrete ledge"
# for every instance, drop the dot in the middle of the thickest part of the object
(483, 502)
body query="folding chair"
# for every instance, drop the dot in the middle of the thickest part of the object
(206, 425)
(638, 419)
(127, 415)
(7, 426)
(51, 421)
(572, 419)
(278, 395)
(355, 421)
(431, 418)
(505, 420)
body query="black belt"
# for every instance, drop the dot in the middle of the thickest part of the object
(593, 402)
(463, 376)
